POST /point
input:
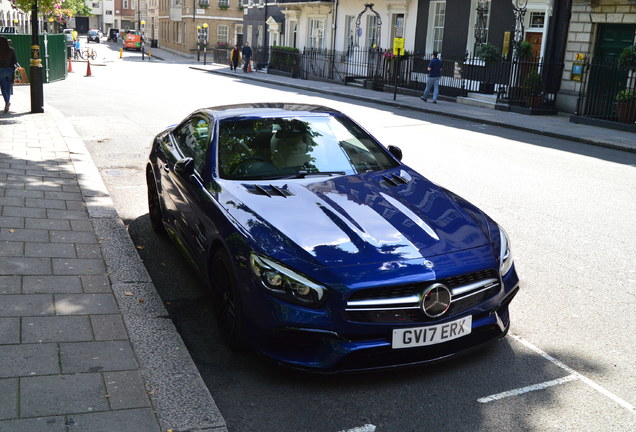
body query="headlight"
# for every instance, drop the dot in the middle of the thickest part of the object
(286, 284)
(505, 254)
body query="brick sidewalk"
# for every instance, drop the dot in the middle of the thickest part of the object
(74, 347)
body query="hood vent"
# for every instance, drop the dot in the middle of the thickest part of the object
(397, 180)
(268, 190)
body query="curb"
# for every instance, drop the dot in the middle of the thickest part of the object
(179, 397)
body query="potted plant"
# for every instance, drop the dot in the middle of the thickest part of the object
(627, 58)
(490, 55)
(626, 106)
(533, 87)
(523, 51)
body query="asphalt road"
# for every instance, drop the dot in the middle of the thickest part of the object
(568, 362)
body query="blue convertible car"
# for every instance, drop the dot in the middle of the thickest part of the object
(322, 249)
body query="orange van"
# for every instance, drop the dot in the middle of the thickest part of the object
(132, 41)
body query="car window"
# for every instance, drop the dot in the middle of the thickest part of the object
(193, 138)
(284, 147)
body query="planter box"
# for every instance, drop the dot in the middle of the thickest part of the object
(626, 111)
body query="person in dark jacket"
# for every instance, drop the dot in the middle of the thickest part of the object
(235, 57)
(434, 75)
(247, 55)
(8, 64)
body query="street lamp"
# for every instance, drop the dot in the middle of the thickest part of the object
(205, 42)
(143, 43)
(50, 26)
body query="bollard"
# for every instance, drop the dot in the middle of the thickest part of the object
(121, 52)
(149, 53)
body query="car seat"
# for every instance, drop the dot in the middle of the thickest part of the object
(289, 149)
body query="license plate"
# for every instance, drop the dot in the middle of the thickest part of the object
(431, 335)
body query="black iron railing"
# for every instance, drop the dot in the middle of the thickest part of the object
(607, 92)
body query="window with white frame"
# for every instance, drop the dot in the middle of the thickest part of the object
(372, 36)
(537, 19)
(316, 33)
(125, 4)
(239, 34)
(350, 32)
(222, 33)
(479, 23)
(397, 26)
(249, 34)
(224, 3)
(437, 17)
(259, 36)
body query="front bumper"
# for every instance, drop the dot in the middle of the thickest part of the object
(365, 346)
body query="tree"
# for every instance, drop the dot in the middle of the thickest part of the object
(60, 10)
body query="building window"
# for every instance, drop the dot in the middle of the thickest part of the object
(239, 34)
(224, 4)
(316, 33)
(397, 28)
(350, 32)
(125, 4)
(479, 22)
(372, 31)
(109, 12)
(437, 17)
(222, 34)
(259, 36)
(537, 19)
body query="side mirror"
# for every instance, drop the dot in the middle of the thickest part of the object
(396, 152)
(184, 167)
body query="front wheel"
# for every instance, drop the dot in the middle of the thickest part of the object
(227, 301)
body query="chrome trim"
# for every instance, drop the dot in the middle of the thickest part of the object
(457, 291)
(385, 301)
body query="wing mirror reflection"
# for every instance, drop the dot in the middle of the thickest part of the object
(396, 152)
(184, 167)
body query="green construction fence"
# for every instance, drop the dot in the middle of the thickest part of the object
(52, 53)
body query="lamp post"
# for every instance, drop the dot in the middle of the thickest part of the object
(205, 42)
(37, 88)
(49, 28)
(143, 42)
(199, 36)
(519, 8)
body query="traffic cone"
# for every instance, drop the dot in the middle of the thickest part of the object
(88, 68)
(70, 65)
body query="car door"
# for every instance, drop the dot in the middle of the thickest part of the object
(192, 138)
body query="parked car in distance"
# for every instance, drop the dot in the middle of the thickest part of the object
(322, 249)
(70, 36)
(94, 35)
(132, 40)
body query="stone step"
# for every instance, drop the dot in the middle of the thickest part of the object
(481, 102)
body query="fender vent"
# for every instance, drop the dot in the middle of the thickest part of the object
(397, 180)
(268, 190)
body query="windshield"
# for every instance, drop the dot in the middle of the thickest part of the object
(274, 148)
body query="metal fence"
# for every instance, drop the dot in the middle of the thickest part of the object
(607, 92)
(52, 53)
(532, 83)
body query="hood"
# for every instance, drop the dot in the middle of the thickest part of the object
(353, 220)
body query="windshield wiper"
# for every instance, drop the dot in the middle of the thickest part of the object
(303, 173)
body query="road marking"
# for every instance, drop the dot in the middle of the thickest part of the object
(522, 390)
(365, 428)
(573, 375)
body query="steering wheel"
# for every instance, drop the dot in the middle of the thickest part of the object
(243, 166)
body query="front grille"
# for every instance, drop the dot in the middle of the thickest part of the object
(402, 304)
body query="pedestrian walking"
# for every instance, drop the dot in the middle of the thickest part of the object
(235, 57)
(8, 64)
(434, 75)
(247, 56)
(77, 47)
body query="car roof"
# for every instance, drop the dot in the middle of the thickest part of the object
(269, 110)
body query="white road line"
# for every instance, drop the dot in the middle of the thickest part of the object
(365, 428)
(574, 373)
(527, 389)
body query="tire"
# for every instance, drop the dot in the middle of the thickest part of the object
(227, 305)
(154, 206)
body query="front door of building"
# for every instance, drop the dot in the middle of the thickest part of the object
(605, 79)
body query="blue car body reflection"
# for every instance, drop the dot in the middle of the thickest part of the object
(322, 249)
